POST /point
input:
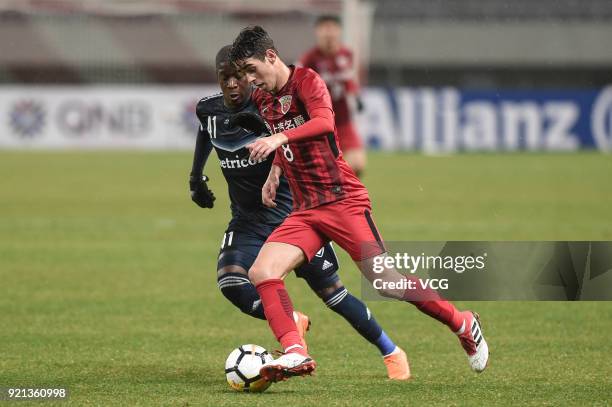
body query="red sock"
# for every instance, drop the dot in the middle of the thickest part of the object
(279, 313)
(429, 302)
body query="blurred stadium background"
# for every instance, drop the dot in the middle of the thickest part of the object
(440, 75)
(469, 43)
(107, 269)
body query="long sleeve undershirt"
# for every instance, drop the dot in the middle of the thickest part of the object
(203, 147)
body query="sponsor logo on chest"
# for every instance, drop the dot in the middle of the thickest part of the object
(239, 162)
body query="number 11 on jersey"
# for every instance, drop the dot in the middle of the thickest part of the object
(212, 126)
(227, 239)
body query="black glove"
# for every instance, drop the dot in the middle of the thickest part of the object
(200, 194)
(249, 121)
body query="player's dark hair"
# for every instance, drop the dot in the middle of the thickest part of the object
(328, 18)
(252, 42)
(223, 56)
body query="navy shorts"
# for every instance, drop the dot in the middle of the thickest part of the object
(242, 242)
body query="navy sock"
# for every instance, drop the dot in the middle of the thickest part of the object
(385, 344)
(359, 316)
(237, 288)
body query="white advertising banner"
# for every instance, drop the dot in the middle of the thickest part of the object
(109, 117)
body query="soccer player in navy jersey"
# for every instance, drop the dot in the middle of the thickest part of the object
(252, 222)
(329, 203)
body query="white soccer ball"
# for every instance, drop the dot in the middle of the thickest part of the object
(242, 368)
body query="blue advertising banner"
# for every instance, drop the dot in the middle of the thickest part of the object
(448, 119)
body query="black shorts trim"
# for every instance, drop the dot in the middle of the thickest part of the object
(372, 226)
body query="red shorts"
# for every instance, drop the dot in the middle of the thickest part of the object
(347, 222)
(348, 137)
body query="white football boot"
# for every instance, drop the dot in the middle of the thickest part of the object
(286, 366)
(473, 342)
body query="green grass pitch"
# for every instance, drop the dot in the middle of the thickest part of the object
(108, 285)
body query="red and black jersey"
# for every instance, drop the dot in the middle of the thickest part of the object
(339, 75)
(314, 167)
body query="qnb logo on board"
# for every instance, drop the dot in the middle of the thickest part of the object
(27, 118)
(79, 118)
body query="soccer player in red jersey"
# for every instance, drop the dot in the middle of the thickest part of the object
(329, 203)
(334, 63)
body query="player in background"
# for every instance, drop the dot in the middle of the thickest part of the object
(334, 63)
(329, 201)
(252, 222)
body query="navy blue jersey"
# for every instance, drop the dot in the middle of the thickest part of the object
(244, 177)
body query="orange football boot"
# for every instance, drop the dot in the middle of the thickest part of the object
(303, 325)
(397, 365)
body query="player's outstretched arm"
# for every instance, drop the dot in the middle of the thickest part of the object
(321, 122)
(268, 191)
(200, 193)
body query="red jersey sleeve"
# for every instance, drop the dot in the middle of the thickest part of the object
(313, 93)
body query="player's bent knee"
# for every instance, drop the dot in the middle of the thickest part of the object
(388, 293)
(239, 290)
(231, 269)
(391, 278)
(258, 274)
(326, 292)
(274, 261)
